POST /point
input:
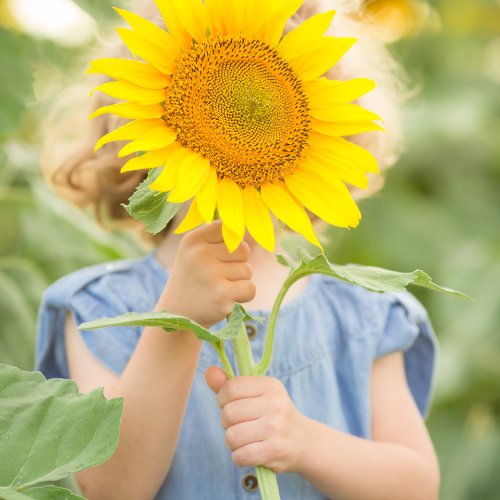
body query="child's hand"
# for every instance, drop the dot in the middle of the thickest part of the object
(206, 280)
(262, 425)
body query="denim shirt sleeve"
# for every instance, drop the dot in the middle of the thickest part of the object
(406, 328)
(107, 290)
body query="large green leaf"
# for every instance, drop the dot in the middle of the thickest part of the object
(48, 429)
(371, 278)
(44, 493)
(18, 322)
(152, 207)
(172, 323)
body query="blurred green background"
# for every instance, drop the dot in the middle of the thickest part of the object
(439, 210)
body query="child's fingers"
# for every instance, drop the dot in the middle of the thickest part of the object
(241, 388)
(252, 454)
(215, 378)
(234, 271)
(212, 233)
(241, 254)
(242, 410)
(242, 291)
(244, 433)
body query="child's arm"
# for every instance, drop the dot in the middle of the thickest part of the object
(204, 284)
(264, 428)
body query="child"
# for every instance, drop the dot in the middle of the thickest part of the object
(339, 414)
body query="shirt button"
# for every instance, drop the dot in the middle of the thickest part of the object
(251, 330)
(250, 482)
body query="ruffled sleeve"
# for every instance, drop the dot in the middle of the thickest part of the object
(406, 328)
(93, 293)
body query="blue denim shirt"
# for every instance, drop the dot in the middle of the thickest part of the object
(326, 341)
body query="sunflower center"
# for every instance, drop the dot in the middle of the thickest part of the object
(237, 102)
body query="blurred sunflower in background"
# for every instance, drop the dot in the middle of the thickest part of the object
(239, 118)
(396, 19)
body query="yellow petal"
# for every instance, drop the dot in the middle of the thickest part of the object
(157, 138)
(231, 239)
(153, 159)
(321, 55)
(338, 166)
(343, 129)
(174, 24)
(232, 15)
(268, 9)
(159, 57)
(275, 26)
(149, 30)
(341, 113)
(193, 173)
(257, 218)
(140, 73)
(193, 219)
(341, 150)
(230, 203)
(131, 110)
(167, 179)
(295, 43)
(215, 18)
(254, 16)
(282, 204)
(130, 131)
(325, 195)
(207, 196)
(323, 91)
(192, 14)
(130, 92)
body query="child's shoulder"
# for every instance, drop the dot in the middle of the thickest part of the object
(356, 299)
(104, 290)
(126, 275)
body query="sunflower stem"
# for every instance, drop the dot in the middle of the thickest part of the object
(266, 478)
(220, 350)
(263, 365)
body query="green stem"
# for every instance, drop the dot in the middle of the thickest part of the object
(243, 352)
(220, 350)
(263, 365)
(268, 486)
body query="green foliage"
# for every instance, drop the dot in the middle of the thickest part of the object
(16, 79)
(100, 9)
(372, 278)
(50, 493)
(172, 323)
(152, 207)
(49, 430)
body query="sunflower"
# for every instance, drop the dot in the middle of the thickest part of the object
(239, 117)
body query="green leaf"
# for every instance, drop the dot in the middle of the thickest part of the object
(48, 429)
(285, 261)
(371, 278)
(173, 323)
(45, 493)
(151, 207)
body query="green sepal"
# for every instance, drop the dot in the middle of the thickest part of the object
(151, 207)
(48, 430)
(173, 323)
(43, 493)
(371, 278)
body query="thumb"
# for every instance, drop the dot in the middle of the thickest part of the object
(215, 378)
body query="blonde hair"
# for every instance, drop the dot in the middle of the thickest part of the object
(88, 178)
